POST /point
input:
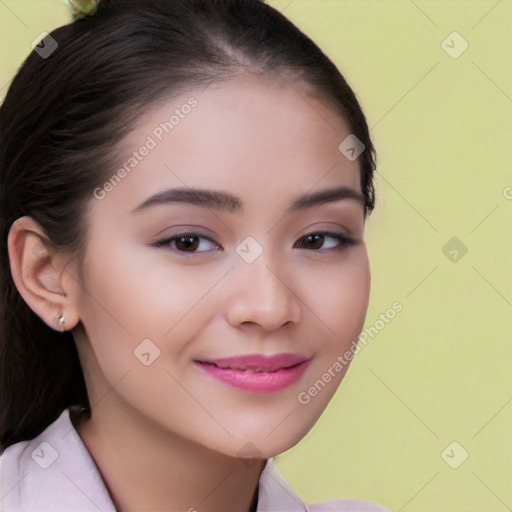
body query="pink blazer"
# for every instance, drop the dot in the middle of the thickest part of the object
(54, 472)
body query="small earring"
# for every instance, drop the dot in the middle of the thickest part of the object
(60, 319)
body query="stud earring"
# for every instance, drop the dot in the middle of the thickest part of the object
(60, 319)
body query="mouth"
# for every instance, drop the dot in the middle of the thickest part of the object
(257, 362)
(257, 373)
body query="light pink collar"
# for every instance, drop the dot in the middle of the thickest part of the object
(55, 471)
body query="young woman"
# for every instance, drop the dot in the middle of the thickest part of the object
(184, 188)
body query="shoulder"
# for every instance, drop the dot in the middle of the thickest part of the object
(11, 473)
(52, 471)
(276, 493)
(347, 505)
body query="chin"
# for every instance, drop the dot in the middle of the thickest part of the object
(263, 443)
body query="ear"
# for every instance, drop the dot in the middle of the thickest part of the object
(40, 274)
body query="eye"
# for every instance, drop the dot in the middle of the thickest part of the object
(317, 240)
(186, 242)
(189, 242)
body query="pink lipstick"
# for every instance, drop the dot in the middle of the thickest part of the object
(257, 373)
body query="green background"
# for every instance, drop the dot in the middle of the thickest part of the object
(440, 371)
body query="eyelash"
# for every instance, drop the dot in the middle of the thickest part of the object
(344, 239)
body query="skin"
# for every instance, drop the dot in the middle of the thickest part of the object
(168, 436)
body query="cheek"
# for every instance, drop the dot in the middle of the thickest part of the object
(340, 301)
(339, 297)
(135, 293)
(131, 307)
(131, 291)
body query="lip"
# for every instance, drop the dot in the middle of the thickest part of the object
(257, 372)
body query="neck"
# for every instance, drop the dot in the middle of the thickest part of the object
(146, 467)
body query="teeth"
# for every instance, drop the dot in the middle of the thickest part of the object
(252, 370)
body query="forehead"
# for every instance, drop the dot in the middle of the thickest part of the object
(238, 135)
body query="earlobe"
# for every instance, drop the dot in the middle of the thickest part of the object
(37, 269)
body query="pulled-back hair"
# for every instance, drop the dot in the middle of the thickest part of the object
(59, 125)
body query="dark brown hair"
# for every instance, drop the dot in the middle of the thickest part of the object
(64, 114)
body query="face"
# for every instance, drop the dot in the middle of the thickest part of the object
(173, 289)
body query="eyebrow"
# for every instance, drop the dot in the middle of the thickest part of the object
(224, 202)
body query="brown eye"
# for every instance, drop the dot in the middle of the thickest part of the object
(186, 243)
(315, 241)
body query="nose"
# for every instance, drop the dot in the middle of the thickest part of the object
(263, 293)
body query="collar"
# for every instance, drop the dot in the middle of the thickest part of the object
(55, 471)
